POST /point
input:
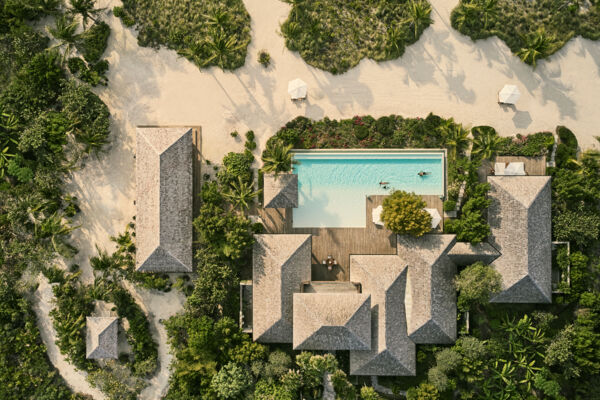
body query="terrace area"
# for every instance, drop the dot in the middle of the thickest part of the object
(340, 243)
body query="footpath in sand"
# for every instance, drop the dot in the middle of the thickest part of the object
(444, 72)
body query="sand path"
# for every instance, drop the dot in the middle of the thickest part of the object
(42, 304)
(444, 72)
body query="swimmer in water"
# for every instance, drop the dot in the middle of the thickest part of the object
(383, 183)
(422, 173)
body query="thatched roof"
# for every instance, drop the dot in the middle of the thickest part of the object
(102, 337)
(164, 199)
(520, 222)
(430, 295)
(392, 352)
(280, 264)
(280, 191)
(332, 321)
(466, 253)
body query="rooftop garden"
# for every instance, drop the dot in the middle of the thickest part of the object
(533, 30)
(205, 32)
(334, 35)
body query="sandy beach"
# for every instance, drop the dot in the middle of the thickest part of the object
(444, 73)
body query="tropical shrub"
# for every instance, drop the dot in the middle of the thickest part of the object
(236, 165)
(403, 213)
(205, 32)
(534, 145)
(471, 226)
(475, 285)
(93, 41)
(335, 35)
(264, 58)
(532, 30)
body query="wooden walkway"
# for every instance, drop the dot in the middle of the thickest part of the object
(340, 243)
(533, 165)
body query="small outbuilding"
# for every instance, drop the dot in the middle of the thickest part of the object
(102, 338)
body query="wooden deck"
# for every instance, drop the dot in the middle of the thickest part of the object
(340, 243)
(533, 165)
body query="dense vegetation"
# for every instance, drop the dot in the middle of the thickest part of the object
(205, 32)
(48, 123)
(334, 35)
(213, 357)
(531, 29)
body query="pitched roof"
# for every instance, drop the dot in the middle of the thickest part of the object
(430, 301)
(280, 191)
(164, 199)
(101, 337)
(332, 321)
(466, 253)
(520, 223)
(392, 352)
(280, 264)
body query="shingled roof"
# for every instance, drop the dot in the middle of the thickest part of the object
(392, 352)
(101, 337)
(280, 264)
(332, 321)
(520, 222)
(466, 253)
(164, 199)
(280, 191)
(430, 301)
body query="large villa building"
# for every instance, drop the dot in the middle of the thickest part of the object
(325, 275)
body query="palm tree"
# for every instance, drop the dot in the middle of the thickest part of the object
(486, 142)
(85, 8)
(218, 18)
(241, 194)
(394, 44)
(537, 45)
(221, 47)
(277, 158)
(54, 229)
(455, 136)
(419, 15)
(64, 32)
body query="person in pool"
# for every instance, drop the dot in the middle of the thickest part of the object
(383, 183)
(422, 173)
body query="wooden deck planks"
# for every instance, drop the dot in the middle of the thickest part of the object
(533, 165)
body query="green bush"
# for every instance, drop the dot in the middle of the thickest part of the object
(385, 126)
(566, 136)
(205, 32)
(449, 205)
(236, 165)
(475, 285)
(93, 41)
(537, 144)
(94, 75)
(335, 35)
(264, 58)
(580, 227)
(403, 213)
(361, 132)
(127, 19)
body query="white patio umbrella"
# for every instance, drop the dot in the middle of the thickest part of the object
(297, 89)
(377, 215)
(509, 94)
(436, 218)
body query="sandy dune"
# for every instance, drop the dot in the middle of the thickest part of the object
(445, 73)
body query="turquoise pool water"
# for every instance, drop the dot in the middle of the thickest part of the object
(333, 187)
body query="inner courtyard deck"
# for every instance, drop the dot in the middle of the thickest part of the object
(340, 243)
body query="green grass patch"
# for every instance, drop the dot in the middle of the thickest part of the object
(334, 35)
(531, 29)
(206, 32)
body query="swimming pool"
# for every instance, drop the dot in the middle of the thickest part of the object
(333, 185)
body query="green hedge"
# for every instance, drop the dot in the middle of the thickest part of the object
(534, 145)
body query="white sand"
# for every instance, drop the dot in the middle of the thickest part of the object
(445, 73)
(42, 305)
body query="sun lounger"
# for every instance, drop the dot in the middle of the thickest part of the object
(499, 168)
(515, 168)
